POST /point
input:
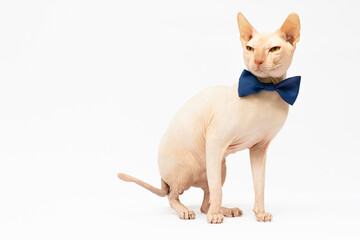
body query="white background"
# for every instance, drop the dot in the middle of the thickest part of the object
(87, 88)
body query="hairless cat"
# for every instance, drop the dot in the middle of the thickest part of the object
(218, 122)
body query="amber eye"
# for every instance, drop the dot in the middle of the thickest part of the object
(249, 48)
(274, 49)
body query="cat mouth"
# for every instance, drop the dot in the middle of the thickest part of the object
(259, 70)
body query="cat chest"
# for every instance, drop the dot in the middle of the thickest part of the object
(257, 122)
(248, 138)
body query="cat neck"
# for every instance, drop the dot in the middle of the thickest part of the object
(273, 80)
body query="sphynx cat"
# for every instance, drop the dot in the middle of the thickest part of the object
(217, 122)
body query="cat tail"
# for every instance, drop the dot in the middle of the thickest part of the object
(164, 191)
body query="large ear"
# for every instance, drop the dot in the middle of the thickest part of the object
(291, 29)
(246, 30)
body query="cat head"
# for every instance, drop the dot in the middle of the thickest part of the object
(269, 55)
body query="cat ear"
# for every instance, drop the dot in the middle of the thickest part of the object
(246, 30)
(290, 29)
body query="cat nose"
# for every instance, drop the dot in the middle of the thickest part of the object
(258, 61)
(259, 57)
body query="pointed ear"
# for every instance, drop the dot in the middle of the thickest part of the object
(246, 30)
(291, 29)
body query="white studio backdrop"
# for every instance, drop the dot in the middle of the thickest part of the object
(87, 88)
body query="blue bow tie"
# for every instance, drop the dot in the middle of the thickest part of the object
(288, 89)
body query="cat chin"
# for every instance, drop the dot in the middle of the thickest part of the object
(259, 73)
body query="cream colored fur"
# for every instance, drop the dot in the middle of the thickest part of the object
(216, 123)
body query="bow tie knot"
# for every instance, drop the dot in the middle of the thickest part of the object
(269, 87)
(288, 89)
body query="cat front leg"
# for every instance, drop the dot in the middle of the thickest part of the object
(258, 159)
(214, 157)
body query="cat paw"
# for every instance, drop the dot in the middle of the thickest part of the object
(215, 217)
(263, 217)
(186, 214)
(231, 212)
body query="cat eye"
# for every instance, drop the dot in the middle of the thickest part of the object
(249, 48)
(274, 49)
